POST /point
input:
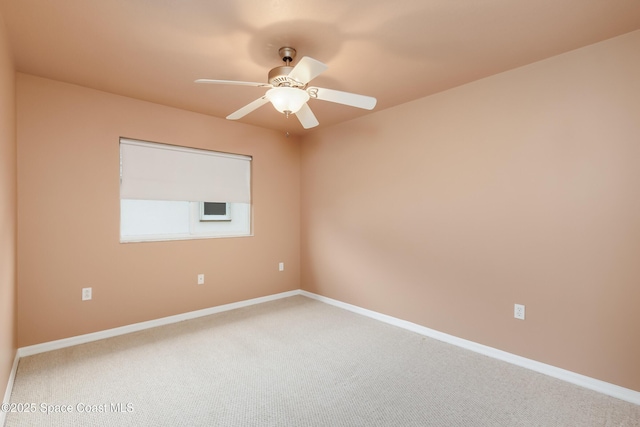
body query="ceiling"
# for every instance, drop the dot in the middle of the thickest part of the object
(395, 51)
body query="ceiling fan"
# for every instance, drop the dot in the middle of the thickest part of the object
(289, 92)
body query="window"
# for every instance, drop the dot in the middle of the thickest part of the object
(175, 193)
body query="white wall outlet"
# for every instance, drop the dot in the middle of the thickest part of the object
(200, 279)
(86, 294)
(281, 266)
(518, 311)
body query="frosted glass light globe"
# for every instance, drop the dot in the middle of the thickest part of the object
(287, 99)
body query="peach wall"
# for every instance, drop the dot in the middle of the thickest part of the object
(519, 188)
(68, 210)
(7, 210)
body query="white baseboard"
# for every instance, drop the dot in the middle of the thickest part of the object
(95, 336)
(9, 389)
(609, 389)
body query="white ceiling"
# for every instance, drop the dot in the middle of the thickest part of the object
(395, 51)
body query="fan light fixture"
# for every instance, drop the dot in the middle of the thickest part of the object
(287, 100)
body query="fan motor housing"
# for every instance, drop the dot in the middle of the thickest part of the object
(279, 77)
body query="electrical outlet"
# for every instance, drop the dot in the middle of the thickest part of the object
(200, 279)
(86, 294)
(518, 311)
(281, 266)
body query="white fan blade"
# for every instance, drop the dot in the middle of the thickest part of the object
(248, 108)
(346, 98)
(306, 117)
(306, 70)
(232, 82)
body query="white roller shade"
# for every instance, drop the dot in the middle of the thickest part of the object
(152, 171)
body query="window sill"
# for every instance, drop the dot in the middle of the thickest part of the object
(142, 239)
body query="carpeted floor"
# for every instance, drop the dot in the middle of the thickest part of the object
(294, 362)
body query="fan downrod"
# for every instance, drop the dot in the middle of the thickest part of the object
(287, 54)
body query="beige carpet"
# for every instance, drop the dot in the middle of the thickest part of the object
(295, 362)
